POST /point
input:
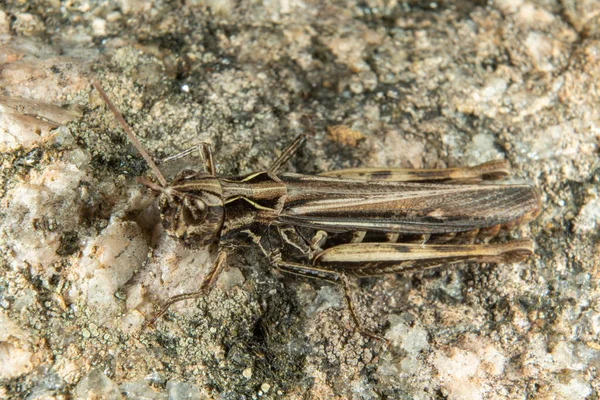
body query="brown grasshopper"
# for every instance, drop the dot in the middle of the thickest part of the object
(346, 223)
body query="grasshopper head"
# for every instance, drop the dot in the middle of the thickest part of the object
(191, 208)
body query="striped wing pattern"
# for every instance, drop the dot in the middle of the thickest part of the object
(339, 205)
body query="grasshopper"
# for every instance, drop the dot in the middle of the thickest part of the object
(346, 223)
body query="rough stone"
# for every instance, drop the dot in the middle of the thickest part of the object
(85, 263)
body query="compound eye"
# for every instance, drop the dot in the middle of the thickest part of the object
(194, 210)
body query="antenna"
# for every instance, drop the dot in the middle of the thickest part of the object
(130, 135)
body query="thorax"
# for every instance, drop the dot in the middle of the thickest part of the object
(251, 202)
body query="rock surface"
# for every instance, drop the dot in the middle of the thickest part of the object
(85, 263)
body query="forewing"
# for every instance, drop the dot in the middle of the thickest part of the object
(338, 205)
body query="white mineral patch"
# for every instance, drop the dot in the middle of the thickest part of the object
(569, 356)
(531, 15)
(555, 142)
(14, 361)
(96, 385)
(28, 24)
(508, 6)
(140, 389)
(135, 296)
(484, 100)
(563, 356)
(15, 357)
(573, 390)
(411, 339)
(32, 70)
(493, 91)
(183, 391)
(482, 148)
(99, 27)
(458, 374)
(348, 51)
(540, 49)
(595, 324)
(132, 322)
(230, 278)
(362, 389)
(493, 361)
(28, 123)
(457, 365)
(134, 6)
(469, 371)
(4, 25)
(219, 7)
(327, 297)
(588, 219)
(36, 86)
(108, 262)
(33, 209)
(396, 151)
